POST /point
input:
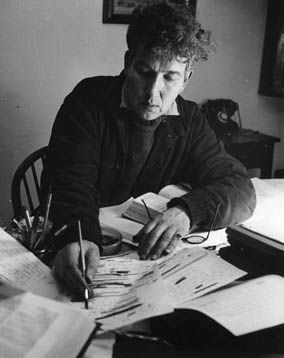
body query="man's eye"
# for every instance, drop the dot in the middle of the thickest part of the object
(170, 78)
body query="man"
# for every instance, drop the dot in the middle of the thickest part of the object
(116, 137)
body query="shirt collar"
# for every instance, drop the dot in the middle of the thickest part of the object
(172, 111)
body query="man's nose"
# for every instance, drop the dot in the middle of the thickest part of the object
(155, 86)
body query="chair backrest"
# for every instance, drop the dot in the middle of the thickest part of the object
(25, 189)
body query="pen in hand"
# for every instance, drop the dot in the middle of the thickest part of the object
(83, 264)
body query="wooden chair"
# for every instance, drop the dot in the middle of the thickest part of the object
(25, 189)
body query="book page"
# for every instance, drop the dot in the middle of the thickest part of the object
(191, 273)
(137, 211)
(32, 326)
(247, 307)
(21, 268)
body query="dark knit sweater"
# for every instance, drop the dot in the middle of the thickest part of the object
(88, 162)
(140, 144)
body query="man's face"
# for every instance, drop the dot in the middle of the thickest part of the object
(152, 86)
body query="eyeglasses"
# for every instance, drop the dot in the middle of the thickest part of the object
(199, 239)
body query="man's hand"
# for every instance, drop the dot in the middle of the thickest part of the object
(163, 233)
(67, 265)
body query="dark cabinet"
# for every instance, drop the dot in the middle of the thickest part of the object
(253, 149)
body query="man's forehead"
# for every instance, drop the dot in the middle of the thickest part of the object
(176, 64)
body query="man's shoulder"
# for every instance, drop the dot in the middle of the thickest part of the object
(185, 104)
(189, 110)
(98, 88)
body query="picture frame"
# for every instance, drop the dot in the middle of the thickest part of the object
(119, 11)
(272, 67)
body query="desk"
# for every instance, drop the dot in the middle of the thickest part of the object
(203, 336)
(253, 149)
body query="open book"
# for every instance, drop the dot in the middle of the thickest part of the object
(156, 203)
(33, 326)
(246, 307)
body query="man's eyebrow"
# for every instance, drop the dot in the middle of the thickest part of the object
(173, 73)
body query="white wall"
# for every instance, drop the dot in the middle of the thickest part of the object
(46, 47)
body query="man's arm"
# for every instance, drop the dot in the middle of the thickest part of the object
(71, 169)
(215, 177)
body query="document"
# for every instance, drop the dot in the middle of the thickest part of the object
(126, 291)
(245, 308)
(32, 326)
(191, 273)
(21, 268)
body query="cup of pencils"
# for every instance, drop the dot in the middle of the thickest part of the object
(33, 233)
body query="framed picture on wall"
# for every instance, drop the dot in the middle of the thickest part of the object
(119, 11)
(272, 69)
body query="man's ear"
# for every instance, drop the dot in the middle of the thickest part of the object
(187, 77)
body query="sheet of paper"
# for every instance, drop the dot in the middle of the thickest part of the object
(32, 326)
(191, 273)
(126, 291)
(21, 268)
(245, 308)
(268, 216)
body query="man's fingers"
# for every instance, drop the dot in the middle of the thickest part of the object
(76, 281)
(145, 230)
(163, 243)
(173, 244)
(68, 266)
(92, 259)
(148, 241)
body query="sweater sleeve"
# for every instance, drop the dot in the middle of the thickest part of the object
(215, 177)
(71, 169)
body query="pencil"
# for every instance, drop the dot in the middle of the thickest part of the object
(146, 207)
(34, 230)
(27, 218)
(59, 231)
(47, 211)
(86, 292)
(42, 237)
